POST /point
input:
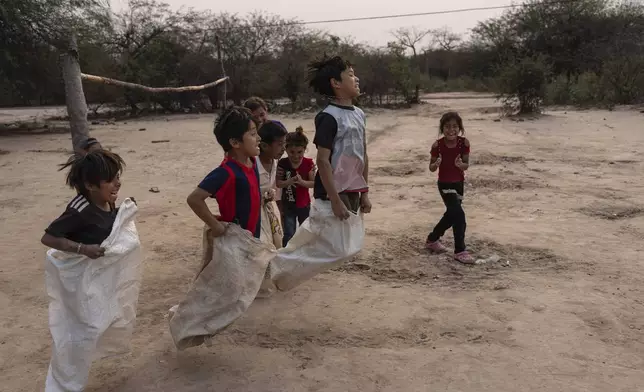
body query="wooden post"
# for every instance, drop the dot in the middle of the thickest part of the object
(224, 98)
(74, 96)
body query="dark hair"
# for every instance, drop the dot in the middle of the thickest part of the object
(92, 168)
(449, 116)
(323, 70)
(270, 131)
(254, 103)
(232, 123)
(297, 138)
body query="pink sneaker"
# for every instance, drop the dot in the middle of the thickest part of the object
(464, 257)
(435, 247)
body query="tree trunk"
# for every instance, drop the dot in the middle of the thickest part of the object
(134, 109)
(213, 96)
(525, 107)
(420, 72)
(224, 93)
(74, 96)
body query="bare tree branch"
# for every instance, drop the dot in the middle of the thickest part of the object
(153, 90)
(410, 38)
(445, 39)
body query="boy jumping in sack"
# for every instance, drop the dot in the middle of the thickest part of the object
(235, 183)
(340, 138)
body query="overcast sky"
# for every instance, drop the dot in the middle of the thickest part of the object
(375, 32)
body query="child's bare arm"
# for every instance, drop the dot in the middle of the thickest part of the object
(280, 182)
(285, 183)
(434, 163)
(365, 203)
(65, 245)
(306, 184)
(463, 160)
(435, 160)
(197, 202)
(62, 244)
(309, 182)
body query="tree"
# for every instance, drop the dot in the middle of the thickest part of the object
(296, 52)
(31, 31)
(400, 69)
(592, 47)
(142, 41)
(445, 39)
(496, 37)
(247, 48)
(42, 26)
(74, 96)
(563, 31)
(523, 84)
(444, 42)
(375, 72)
(574, 38)
(412, 39)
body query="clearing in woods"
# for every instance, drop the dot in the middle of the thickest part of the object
(559, 199)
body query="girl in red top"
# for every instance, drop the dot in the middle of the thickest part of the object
(451, 156)
(295, 175)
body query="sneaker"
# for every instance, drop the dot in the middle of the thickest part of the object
(464, 257)
(435, 247)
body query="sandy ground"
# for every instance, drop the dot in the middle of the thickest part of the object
(560, 199)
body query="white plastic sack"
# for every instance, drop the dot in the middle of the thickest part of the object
(92, 306)
(230, 278)
(236, 265)
(322, 242)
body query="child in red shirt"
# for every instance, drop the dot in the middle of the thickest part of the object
(451, 156)
(295, 175)
(235, 183)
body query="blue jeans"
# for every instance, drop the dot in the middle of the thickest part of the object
(290, 218)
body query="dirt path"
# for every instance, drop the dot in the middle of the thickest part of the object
(560, 200)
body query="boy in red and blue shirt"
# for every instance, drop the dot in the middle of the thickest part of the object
(235, 183)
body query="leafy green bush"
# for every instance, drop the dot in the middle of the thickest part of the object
(523, 84)
(622, 80)
(584, 90)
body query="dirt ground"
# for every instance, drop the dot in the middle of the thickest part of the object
(560, 199)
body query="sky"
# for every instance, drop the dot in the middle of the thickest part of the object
(374, 32)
